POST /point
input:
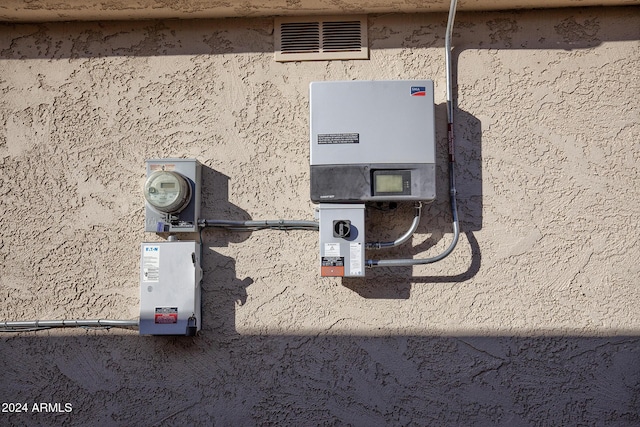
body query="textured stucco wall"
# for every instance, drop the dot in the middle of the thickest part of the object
(68, 10)
(533, 320)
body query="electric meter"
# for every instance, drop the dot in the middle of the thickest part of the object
(167, 191)
(172, 195)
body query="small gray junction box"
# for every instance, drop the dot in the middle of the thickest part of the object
(372, 141)
(342, 239)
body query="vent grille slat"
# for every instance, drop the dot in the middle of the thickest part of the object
(299, 39)
(341, 36)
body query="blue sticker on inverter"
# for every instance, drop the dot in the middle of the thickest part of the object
(418, 91)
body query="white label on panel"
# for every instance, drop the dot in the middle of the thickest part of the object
(355, 253)
(151, 264)
(331, 249)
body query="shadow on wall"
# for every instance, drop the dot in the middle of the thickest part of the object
(221, 378)
(436, 221)
(225, 378)
(215, 204)
(507, 30)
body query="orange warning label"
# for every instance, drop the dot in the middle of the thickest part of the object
(332, 271)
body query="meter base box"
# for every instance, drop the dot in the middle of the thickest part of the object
(170, 276)
(342, 240)
(372, 141)
(185, 221)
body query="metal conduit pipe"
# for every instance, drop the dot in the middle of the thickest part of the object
(17, 326)
(452, 183)
(448, 66)
(406, 236)
(422, 261)
(277, 224)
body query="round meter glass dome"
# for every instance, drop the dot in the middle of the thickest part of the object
(167, 191)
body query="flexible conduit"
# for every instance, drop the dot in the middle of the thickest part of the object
(452, 182)
(36, 325)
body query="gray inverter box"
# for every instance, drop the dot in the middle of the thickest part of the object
(372, 141)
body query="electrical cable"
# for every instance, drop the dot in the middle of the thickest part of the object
(277, 224)
(38, 325)
(452, 183)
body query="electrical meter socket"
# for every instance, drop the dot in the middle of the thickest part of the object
(372, 141)
(170, 276)
(172, 195)
(342, 240)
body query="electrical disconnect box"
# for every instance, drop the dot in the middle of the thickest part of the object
(342, 240)
(170, 276)
(372, 141)
(172, 194)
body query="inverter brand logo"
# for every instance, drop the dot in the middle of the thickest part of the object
(418, 91)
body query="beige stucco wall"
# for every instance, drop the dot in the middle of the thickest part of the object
(71, 10)
(532, 320)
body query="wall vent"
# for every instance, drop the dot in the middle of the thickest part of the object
(321, 38)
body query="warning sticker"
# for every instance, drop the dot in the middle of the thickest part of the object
(151, 264)
(339, 138)
(355, 255)
(332, 249)
(166, 315)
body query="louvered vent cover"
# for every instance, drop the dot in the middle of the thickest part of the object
(307, 39)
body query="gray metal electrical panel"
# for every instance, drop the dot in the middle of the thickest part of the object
(170, 276)
(372, 141)
(342, 240)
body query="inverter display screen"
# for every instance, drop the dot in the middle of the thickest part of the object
(388, 184)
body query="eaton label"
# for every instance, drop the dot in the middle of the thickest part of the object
(418, 91)
(151, 264)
